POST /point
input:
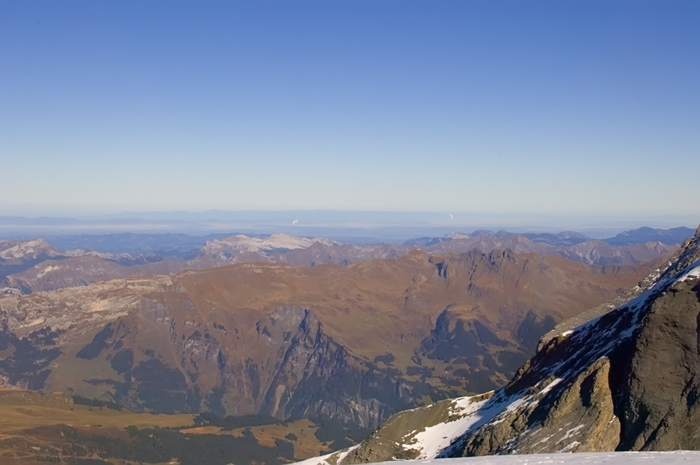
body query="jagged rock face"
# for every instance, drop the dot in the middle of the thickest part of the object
(318, 378)
(300, 371)
(659, 395)
(588, 251)
(582, 408)
(642, 396)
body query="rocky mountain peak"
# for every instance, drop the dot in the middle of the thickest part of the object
(686, 255)
(26, 250)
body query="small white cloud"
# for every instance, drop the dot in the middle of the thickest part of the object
(294, 222)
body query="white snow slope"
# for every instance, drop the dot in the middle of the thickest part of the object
(680, 457)
(609, 458)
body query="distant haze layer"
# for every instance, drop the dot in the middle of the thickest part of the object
(355, 226)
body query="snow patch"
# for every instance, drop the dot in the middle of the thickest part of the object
(693, 271)
(46, 270)
(325, 459)
(569, 434)
(466, 414)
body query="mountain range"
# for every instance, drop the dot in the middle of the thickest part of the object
(626, 380)
(430, 318)
(35, 265)
(344, 346)
(247, 342)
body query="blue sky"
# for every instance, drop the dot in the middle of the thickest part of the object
(546, 108)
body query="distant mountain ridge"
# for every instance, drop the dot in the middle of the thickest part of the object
(564, 238)
(568, 238)
(646, 234)
(118, 257)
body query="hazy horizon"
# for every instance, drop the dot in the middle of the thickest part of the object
(363, 226)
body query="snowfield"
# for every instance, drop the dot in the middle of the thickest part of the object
(610, 458)
(680, 457)
(693, 272)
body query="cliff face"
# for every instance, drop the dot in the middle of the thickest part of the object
(289, 369)
(627, 380)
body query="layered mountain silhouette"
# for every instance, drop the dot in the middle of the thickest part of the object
(626, 380)
(35, 265)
